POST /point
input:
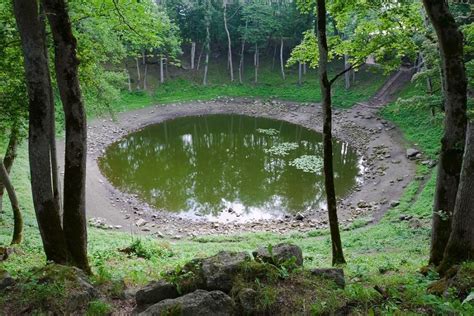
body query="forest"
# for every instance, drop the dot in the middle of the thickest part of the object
(236, 157)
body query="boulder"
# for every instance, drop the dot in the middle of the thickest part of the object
(412, 152)
(155, 292)
(220, 270)
(337, 275)
(197, 303)
(5, 280)
(247, 299)
(279, 254)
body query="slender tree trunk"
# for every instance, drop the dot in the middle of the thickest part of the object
(138, 74)
(9, 159)
(144, 76)
(229, 44)
(37, 80)
(52, 132)
(304, 68)
(274, 57)
(347, 75)
(17, 218)
(337, 253)
(450, 41)
(300, 79)
(242, 56)
(193, 53)
(460, 246)
(255, 61)
(66, 65)
(200, 57)
(206, 60)
(282, 64)
(162, 74)
(129, 80)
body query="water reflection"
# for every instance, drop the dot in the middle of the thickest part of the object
(216, 166)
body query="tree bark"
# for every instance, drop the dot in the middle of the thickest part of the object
(199, 58)
(66, 66)
(255, 61)
(229, 44)
(460, 246)
(282, 64)
(37, 79)
(242, 56)
(347, 75)
(300, 76)
(138, 74)
(193, 53)
(162, 72)
(9, 159)
(450, 41)
(17, 218)
(337, 252)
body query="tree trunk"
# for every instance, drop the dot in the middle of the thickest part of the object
(460, 246)
(282, 64)
(200, 57)
(337, 253)
(9, 159)
(300, 80)
(37, 79)
(66, 66)
(206, 61)
(304, 68)
(274, 57)
(255, 61)
(450, 41)
(242, 56)
(138, 74)
(347, 75)
(229, 44)
(193, 53)
(17, 219)
(162, 73)
(144, 76)
(52, 132)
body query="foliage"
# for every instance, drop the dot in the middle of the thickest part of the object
(281, 149)
(308, 163)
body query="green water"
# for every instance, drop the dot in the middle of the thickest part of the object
(219, 167)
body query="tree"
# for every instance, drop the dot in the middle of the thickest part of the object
(207, 48)
(17, 218)
(460, 246)
(64, 241)
(450, 41)
(229, 43)
(325, 85)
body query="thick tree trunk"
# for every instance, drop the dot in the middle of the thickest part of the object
(337, 253)
(452, 146)
(37, 80)
(17, 219)
(193, 53)
(9, 159)
(282, 64)
(460, 246)
(66, 65)
(229, 44)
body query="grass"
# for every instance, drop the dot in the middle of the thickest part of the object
(387, 255)
(188, 87)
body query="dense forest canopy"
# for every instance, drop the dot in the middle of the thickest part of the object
(393, 69)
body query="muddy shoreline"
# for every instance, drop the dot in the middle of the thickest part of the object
(378, 143)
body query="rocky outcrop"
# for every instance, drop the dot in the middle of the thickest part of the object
(279, 254)
(197, 303)
(155, 292)
(220, 270)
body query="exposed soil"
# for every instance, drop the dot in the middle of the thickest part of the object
(379, 144)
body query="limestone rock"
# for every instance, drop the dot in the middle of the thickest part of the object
(412, 152)
(197, 303)
(280, 253)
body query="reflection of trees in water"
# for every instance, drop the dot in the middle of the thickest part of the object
(195, 163)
